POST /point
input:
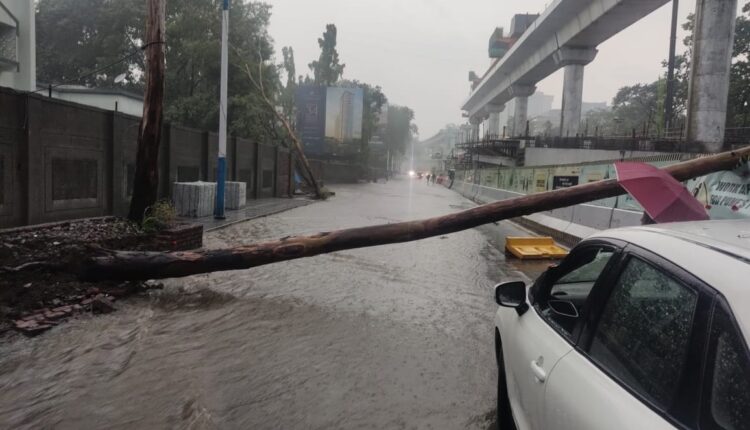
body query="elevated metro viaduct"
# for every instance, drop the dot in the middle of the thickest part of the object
(566, 35)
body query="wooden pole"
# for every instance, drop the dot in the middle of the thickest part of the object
(146, 179)
(127, 265)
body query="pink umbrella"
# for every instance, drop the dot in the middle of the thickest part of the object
(662, 197)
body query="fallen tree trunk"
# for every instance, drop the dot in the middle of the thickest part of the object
(128, 265)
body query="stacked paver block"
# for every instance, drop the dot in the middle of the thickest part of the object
(235, 195)
(194, 199)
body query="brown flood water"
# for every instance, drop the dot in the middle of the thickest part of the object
(396, 336)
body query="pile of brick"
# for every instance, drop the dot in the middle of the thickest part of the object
(41, 320)
(180, 237)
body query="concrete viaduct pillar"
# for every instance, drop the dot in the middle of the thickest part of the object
(520, 94)
(573, 60)
(494, 119)
(475, 121)
(713, 39)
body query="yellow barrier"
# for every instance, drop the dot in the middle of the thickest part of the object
(534, 247)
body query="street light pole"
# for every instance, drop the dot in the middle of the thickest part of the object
(221, 168)
(669, 99)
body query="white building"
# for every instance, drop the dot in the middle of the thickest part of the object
(18, 64)
(17, 45)
(104, 98)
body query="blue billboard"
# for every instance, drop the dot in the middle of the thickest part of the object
(311, 117)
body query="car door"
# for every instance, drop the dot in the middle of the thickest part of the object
(535, 341)
(638, 358)
(726, 387)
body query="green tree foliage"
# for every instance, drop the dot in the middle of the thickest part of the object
(326, 69)
(739, 84)
(287, 94)
(640, 104)
(682, 72)
(636, 107)
(78, 36)
(373, 101)
(193, 72)
(400, 130)
(601, 122)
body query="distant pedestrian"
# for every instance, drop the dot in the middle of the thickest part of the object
(428, 179)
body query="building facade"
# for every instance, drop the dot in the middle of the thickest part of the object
(17, 45)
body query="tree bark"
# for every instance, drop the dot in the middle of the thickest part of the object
(124, 265)
(146, 180)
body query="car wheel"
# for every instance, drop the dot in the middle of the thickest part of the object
(504, 412)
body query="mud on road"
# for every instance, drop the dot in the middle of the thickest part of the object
(397, 336)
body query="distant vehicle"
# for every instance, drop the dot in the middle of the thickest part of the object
(638, 328)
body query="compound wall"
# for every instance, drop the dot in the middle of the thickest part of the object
(60, 160)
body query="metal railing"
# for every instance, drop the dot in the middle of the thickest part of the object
(670, 140)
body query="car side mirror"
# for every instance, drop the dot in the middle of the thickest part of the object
(512, 295)
(563, 308)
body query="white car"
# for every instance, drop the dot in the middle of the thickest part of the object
(637, 328)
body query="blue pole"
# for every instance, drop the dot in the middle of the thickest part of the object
(221, 168)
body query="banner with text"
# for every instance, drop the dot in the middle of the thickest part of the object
(726, 195)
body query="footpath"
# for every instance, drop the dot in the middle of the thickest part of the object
(254, 209)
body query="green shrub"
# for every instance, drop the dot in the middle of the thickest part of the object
(158, 217)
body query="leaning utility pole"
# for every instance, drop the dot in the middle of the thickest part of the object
(146, 180)
(221, 168)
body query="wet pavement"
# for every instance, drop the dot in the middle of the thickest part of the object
(397, 336)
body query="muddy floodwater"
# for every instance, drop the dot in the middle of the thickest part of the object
(397, 336)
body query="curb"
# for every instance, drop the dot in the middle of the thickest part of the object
(265, 214)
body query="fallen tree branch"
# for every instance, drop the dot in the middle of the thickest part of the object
(128, 265)
(297, 146)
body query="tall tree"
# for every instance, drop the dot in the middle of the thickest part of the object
(78, 37)
(287, 94)
(739, 84)
(72, 44)
(193, 73)
(326, 69)
(600, 122)
(399, 130)
(636, 107)
(146, 180)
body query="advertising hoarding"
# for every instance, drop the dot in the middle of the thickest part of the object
(310, 102)
(329, 119)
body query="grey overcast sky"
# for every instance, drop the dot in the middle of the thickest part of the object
(420, 51)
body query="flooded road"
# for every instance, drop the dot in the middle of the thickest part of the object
(397, 336)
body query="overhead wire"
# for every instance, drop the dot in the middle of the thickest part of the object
(100, 69)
